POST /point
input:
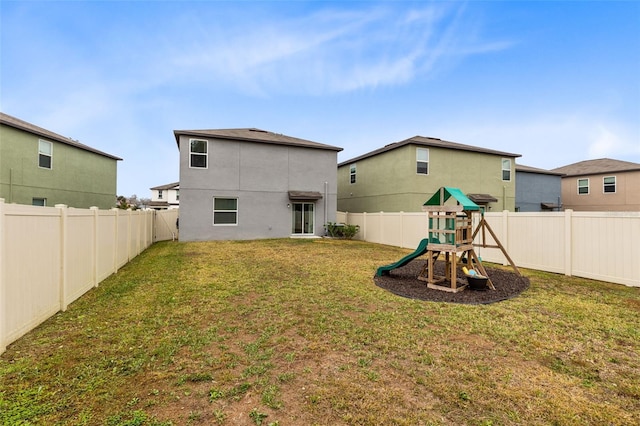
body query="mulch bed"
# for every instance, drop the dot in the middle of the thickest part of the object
(404, 282)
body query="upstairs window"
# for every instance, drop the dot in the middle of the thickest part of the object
(225, 211)
(506, 169)
(177, 194)
(422, 161)
(159, 194)
(583, 186)
(198, 153)
(45, 154)
(609, 184)
(352, 173)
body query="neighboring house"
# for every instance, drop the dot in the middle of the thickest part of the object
(537, 190)
(238, 184)
(402, 175)
(165, 196)
(601, 185)
(40, 167)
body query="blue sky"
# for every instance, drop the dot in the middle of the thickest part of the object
(557, 82)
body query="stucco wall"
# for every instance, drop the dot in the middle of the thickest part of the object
(535, 188)
(77, 178)
(389, 182)
(259, 175)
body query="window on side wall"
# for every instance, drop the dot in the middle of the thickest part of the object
(177, 194)
(225, 211)
(39, 202)
(506, 169)
(422, 161)
(160, 194)
(352, 173)
(45, 154)
(583, 186)
(609, 184)
(198, 153)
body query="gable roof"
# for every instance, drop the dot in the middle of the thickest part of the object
(253, 135)
(16, 123)
(167, 186)
(599, 166)
(444, 193)
(429, 142)
(529, 169)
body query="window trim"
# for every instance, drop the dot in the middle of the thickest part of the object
(205, 154)
(588, 186)
(352, 174)
(614, 184)
(502, 162)
(40, 153)
(213, 218)
(422, 161)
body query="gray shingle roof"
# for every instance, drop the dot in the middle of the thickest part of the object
(253, 135)
(599, 166)
(167, 186)
(16, 123)
(529, 169)
(429, 142)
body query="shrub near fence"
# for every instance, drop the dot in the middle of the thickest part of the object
(598, 245)
(50, 256)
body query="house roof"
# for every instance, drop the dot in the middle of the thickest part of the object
(444, 193)
(16, 123)
(599, 166)
(482, 198)
(529, 169)
(253, 135)
(429, 142)
(167, 186)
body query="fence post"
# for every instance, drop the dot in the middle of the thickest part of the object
(3, 310)
(505, 234)
(568, 255)
(364, 226)
(63, 256)
(96, 247)
(402, 229)
(116, 237)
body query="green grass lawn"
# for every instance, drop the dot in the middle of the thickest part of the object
(294, 332)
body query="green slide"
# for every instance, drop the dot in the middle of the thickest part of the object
(422, 249)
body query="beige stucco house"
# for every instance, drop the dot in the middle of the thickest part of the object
(601, 185)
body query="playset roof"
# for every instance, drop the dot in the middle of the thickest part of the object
(446, 192)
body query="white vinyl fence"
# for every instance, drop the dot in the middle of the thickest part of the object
(598, 245)
(50, 256)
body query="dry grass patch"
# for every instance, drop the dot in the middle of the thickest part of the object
(294, 332)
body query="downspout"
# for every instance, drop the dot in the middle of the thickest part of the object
(326, 201)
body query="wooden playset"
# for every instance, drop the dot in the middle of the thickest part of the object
(450, 233)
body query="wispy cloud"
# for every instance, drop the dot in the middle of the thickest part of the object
(329, 51)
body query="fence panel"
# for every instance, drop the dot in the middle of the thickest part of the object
(599, 245)
(106, 243)
(79, 253)
(50, 256)
(30, 268)
(166, 225)
(606, 247)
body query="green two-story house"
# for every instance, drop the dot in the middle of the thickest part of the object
(40, 167)
(402, 175)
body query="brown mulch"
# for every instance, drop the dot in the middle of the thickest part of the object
(404, 282)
